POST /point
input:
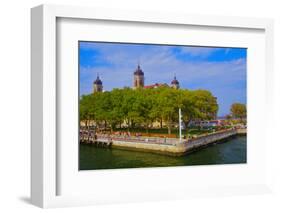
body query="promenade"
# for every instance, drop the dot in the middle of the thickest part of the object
(169, 146)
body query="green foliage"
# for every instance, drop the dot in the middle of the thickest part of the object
(198, 104)
(238, 110)
(141, 107)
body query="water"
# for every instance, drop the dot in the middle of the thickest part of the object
(230, 152)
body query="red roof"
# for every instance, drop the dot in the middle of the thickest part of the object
(153, 85)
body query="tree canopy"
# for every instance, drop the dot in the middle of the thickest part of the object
(238, 110)
(141, 107)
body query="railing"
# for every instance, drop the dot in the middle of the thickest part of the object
(211, 137)
(214, 133)
(90, 136)
(139, 139)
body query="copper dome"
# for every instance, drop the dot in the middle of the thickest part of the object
(175, 81)
(138, 71)
(98, 81)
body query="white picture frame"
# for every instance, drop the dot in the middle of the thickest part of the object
(44, 149)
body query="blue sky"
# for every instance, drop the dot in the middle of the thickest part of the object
(220, 70)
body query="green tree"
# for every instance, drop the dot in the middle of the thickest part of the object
(87, 111)
(141, 107)
(168, 102)
(228, 117)
(104, 109)
(238, 110)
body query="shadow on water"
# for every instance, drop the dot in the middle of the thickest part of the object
(233, 151)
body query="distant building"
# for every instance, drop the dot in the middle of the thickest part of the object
(98, 85)
(138, 78)
(138, 81)
(155, 86)
(206, 123)
(175, 83)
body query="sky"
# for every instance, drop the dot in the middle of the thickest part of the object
(221, 70)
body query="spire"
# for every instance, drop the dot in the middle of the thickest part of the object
(175, 81)
(98, 84)
(138, 71)
(98, 81)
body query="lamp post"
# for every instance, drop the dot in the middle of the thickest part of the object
(180, 122)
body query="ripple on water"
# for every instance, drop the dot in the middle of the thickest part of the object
(232, 151)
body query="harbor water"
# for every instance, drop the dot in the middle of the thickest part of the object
(233, 151)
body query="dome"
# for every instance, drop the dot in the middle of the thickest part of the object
(98, 81)
(175, 81)
(138, 71)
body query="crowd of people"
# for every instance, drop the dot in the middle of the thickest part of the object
(88, 134)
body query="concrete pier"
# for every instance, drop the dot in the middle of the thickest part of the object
(167, 146)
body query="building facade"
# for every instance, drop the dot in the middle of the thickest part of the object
(138, 82)
(138, 78)
(175, 83)
(98, 85)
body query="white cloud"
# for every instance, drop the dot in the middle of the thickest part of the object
(223, 78)
(201, 52)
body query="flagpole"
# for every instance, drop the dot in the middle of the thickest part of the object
(180, 123)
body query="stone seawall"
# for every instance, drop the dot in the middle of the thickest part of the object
(242, 131)
(148, 147)
(179, 148)
(209, 139)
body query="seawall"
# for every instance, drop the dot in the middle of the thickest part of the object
(178, 149)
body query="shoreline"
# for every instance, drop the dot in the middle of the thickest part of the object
(174, 149)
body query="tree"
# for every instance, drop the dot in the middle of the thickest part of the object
(168, 103)
(238, 110)
(144, 106)
(103, 102)
(228, 117)
(87, 109)
(117, 112)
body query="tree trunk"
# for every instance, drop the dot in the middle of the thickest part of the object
(161, 123)
(88, 128)
(186, 127)
(129, 125)
(111, 127)
(169, 127)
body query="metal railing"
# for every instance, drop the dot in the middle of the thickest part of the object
(90, 136)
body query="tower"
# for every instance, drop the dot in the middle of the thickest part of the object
(97, 85)
(175, 83)
(138, 78)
